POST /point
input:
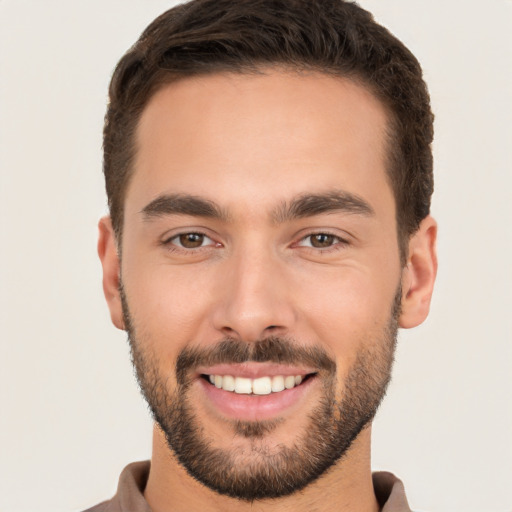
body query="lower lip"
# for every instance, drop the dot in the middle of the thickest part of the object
(254, 407)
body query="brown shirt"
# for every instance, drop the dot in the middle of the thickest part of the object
(389, 491)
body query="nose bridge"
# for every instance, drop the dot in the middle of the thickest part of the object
(254, 299)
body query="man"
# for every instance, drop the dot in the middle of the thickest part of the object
(269, 172)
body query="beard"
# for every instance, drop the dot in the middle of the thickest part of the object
(259, 472)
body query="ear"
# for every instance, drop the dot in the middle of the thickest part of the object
(419, 275)
(107, 251)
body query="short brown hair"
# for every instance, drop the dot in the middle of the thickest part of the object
(331, 36)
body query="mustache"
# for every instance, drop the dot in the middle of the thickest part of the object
(274, 349)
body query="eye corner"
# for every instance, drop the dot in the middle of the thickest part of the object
(322, 241)
(188, 241)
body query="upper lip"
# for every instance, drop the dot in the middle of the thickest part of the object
(254, 370)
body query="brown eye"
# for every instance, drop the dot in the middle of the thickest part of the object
(322, 240)
(191, 240)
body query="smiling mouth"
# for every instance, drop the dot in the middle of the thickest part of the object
(260, 386)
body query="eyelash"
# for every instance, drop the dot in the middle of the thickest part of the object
(338, 242)
(173, 247)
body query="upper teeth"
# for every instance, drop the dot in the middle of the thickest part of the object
(260, 386)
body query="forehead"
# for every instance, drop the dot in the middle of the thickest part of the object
(258, 138)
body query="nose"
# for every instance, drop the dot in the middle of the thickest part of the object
(254, 299)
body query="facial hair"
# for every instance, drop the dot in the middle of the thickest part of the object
(260, 473)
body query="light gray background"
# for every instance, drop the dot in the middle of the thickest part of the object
(70, 413)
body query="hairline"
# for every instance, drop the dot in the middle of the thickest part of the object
(167, 77)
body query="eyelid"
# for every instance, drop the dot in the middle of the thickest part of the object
(168, 240)
(340, 240)
(178, 236)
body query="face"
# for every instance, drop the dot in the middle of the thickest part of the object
(260, 275)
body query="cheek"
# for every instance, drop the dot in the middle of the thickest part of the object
(346, 310)
(168, 306)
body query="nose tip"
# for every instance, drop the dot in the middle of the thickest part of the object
(249, 330)
(254, 302)
(252, 320)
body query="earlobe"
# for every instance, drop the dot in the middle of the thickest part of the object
(107, 251)
(419, 275)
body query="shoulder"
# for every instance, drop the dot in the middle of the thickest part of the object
(100, 507)
(130, 491)
(390, 493)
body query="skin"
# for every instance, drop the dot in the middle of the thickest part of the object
(250, 144)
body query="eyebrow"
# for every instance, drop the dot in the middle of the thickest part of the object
(182, 204)
(308, 205)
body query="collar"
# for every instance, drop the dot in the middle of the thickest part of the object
(389, 491)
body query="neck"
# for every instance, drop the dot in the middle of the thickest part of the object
(347, 486)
